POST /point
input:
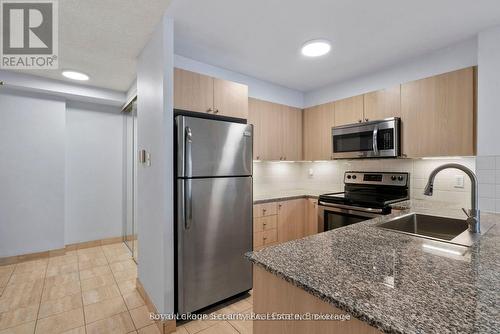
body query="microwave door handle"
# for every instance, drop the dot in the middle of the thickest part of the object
(375, 138)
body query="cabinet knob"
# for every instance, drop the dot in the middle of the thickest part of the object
(264, 238)
(366, 119)
(284, 158)
(209, 110)
(279, 206)
(264, 224)
(258, 157)
(359, 120)
(216, 111)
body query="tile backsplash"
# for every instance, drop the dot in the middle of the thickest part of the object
(488, 175)
(451, 186)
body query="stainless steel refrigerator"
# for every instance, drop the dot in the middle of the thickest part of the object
(214, 211)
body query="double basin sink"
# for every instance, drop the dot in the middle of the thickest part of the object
(443, 229)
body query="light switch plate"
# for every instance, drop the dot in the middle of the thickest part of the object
(311, 172)
(459, 181)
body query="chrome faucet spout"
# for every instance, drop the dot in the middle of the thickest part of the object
(473, 219)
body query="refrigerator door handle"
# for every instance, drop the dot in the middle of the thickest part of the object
(188, 204)
(188, 160)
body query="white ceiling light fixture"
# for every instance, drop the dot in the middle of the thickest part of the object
(316, 48)
(74, 75)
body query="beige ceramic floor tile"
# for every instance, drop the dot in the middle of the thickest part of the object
(140, 316)
(243, 326)
(59, 269)
(60, 291)
(91, 263)
(118, 257)
(18, 316)
(123, 265)
(196, 326)
(21, 295)
(222, 327)
(26, 328)
(97, 282)
(93, 272)
(153, 329)
(104, 309)
(120, 323)
(56, 306)
(17, 278)
(125, 275)
(61, 322)
(62, 279)
(133, 300)
(79, 330)
(31, 266)
(100, 294)
(63, 259)
(127, 286)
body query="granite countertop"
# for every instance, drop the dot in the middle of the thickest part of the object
(281, 195)
(392, 281)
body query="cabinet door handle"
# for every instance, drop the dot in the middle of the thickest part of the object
(209, 110)
(366, 119)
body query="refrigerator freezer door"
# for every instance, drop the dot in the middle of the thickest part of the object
(214, 232)
(211, 148)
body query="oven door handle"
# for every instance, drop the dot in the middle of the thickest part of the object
(348, 207)
(375, 139)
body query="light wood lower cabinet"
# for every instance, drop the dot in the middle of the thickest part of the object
(282, 221)
(311, 216)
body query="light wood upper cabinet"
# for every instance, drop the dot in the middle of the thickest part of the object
(382, 104)
(348, 111)
(291, 220)
(277, 130)
(201, 93)
(193, 91)
(438, 115)
(230, 98)
(291, 121)
(318, 122)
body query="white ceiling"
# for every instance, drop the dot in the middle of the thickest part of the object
(103, 39)
(262, 38)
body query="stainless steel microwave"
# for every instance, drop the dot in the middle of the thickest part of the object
(374, 139)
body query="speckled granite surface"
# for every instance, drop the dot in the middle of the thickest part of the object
(284, 195)
(394, 282)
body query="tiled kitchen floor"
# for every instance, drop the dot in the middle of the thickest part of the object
(90, 290)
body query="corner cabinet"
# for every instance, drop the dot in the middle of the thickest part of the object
(200, 93)
(277, 130)
(318, 122)
(438, 115)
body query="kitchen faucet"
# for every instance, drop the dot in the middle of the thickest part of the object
(473, 214)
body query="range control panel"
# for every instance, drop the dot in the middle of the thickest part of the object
(380, 178)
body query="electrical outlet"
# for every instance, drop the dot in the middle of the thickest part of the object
(311, 172)
(459, 181)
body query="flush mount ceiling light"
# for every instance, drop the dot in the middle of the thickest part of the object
(73, 75)
(316, 48)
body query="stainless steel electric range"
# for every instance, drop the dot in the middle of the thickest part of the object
(366, 195)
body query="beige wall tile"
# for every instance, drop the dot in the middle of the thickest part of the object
(120, 323)
(100, 294)
(60, 305)
(18, 316)
(60, 322)
(140, 316)
(104, 309)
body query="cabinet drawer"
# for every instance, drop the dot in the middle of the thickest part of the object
(265, 209)
(265, 238)
(265, 223)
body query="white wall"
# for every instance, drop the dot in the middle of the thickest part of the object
(32, 137)
(488, 119)
(155, 183)
(258, 89)
(451, 58)
(94, 166)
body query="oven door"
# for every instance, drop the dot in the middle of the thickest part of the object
(367, 140)
(332, 216)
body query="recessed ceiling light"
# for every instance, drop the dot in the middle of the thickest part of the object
(73, 75)
(316, 48)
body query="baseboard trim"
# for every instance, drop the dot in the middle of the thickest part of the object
(58, 252)
(165, 326)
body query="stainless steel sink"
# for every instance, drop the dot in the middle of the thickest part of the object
(433, 227)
